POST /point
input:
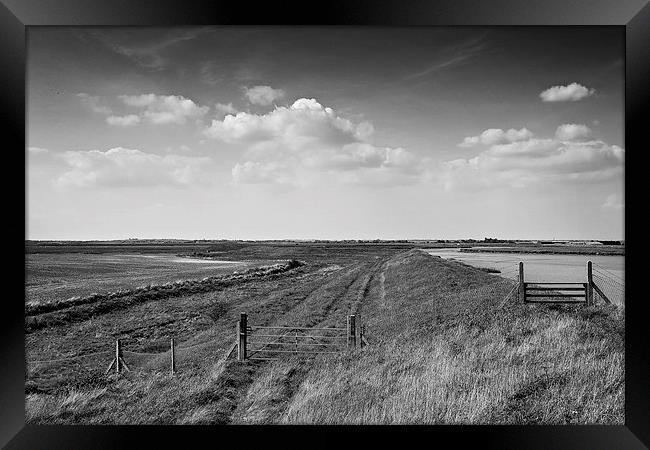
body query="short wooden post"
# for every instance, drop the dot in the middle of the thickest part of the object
(590, 284)
(173, 357)
(522, 286)
(118, 355)
(352, 333)
(241, 343)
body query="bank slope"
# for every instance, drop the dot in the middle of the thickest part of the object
(449, 346)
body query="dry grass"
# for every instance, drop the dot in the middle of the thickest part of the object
(531, 370)
(446, 348)
(458, 358)
(205, 397)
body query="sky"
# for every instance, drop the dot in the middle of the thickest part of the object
(325, 133)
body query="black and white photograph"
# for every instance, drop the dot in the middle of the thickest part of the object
(325, 225)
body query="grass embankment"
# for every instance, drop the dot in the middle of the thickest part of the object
(205, 389)
(445, 348)
(464, 358)
(43, 314)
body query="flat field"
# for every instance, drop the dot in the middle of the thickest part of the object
(448, 344)
(52, 276)
(552, 249)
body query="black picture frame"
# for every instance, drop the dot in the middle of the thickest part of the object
(16, 15)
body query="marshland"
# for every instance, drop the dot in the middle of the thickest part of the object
(447, 342)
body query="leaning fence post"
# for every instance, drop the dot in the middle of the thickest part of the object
(590, 284)
(241, 343)
(173, 357)
(118, 355)
(522, 287)
(352, 335)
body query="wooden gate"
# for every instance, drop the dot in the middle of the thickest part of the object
(272, 342)
(555, 292)
(559, 292)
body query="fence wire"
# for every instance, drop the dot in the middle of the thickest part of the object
(510, 273)
(66, 358)
(611, 284)
(97, 363)
(272, 342)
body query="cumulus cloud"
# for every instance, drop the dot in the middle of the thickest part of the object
(123, 167)
(93, 103)
(307, 142)
(165, 109)
(571, 92)
(123, 121)
(524, 162)
(493, 136)
(572, 131)
(263, 95)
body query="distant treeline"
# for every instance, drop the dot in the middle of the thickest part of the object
(574, 242)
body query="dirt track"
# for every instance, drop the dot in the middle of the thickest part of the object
(315, 294)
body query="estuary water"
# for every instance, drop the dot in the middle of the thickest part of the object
(540, 267)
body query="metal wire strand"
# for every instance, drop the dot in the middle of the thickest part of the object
(68, 358)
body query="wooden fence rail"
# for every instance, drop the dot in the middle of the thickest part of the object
(560, 292)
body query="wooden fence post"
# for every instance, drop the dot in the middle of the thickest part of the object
(590, 284)
(347, 331)
(361, 333)
(173, 357)
(352, 333)
(522, 287)
(118, 355)
(241, 343)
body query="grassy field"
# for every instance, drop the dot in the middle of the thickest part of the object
(447, 345)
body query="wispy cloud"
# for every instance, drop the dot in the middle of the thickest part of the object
(209, 73)
(165, 109)
(123, 167)
(37, 150)
(148, 54)
(263, 95)
(493, 136)
(93, 103)
(123, 121)
(226, 108)
(452, 57)
(613, 201)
